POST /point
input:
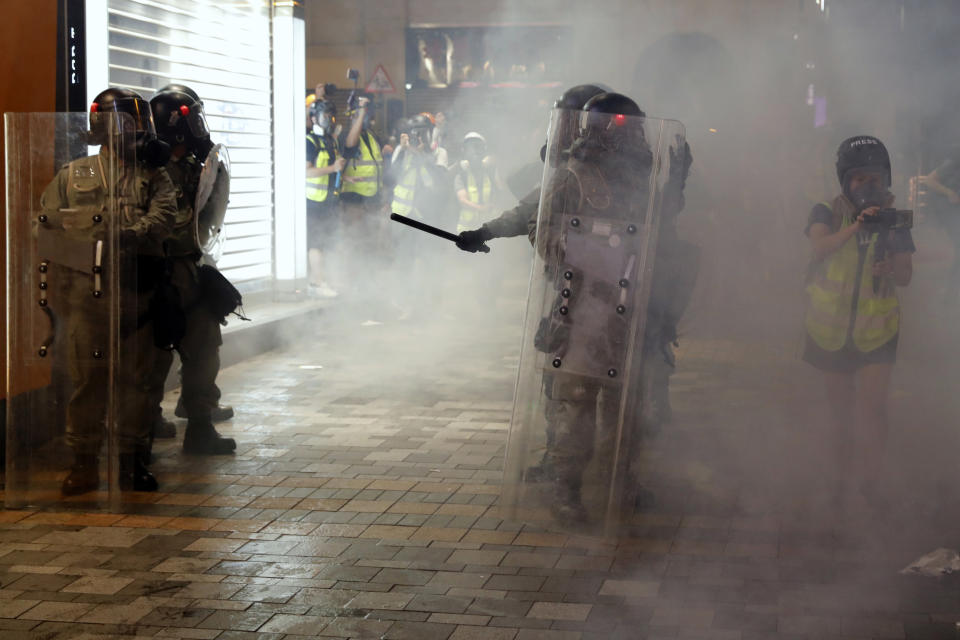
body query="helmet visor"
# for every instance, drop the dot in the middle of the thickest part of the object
(197, 122)
(139, 111)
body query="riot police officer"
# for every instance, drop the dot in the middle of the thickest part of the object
(605, 178)
(522, 219)
(124, 191)
(182, 124)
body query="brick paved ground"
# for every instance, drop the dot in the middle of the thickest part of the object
(360, 505)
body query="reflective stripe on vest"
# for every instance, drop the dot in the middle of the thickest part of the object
(831, 296)
(469, 218)
(365, 171)
(318, 187)
(405, 188)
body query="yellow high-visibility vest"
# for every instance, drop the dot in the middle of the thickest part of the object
(406, 187)
(319, 187)
(469, 218)
(366, 170)
(842, 305)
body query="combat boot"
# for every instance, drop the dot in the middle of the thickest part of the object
(84, 476)
(134, 474)
(567, 506)
(217, 414)
(220, 413)
(164, 429)
(202, 439)
(540, 472)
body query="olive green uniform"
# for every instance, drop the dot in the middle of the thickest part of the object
(143, 211)
(199, 348)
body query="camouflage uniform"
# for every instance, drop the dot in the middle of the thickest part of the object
(146, 206)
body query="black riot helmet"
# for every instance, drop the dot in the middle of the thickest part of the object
(136, 121)
(324, 115)
(178, 114)
(862, 152)
(420, 130)
(116, 100)
(573, 99)
(616, 104)
(173, 87)
(611, 121)
(577, 96)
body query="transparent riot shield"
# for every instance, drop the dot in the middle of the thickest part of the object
(213, 194)
(72, 305)
(573, 450)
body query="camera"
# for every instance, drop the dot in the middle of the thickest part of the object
(890, 219)
(353, 102)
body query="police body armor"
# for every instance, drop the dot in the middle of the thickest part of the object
(585, 319)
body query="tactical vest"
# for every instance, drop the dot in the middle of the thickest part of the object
(365, 171)
(185, 175)
(469, 218)
(75, 232)
(319, 187)
(842, 304)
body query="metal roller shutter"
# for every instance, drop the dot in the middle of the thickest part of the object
(222, 51)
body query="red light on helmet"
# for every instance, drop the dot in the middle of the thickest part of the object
(619, 119)
(94, 108)
(184, 110)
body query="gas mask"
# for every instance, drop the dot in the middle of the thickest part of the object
(474, 153)
(868, 195)
(152, 151)
(421, 138)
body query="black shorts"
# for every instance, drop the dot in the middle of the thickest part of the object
(849, 358)
(323, 221)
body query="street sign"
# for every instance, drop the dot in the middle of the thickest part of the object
(380, 82)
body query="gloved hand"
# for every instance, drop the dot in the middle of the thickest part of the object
(474, 240)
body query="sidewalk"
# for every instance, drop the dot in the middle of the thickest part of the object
(361, 504)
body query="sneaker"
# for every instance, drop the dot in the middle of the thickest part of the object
(322, 290)
(326, 291)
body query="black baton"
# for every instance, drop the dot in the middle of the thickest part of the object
(426, 228)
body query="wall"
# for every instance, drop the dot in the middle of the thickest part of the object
(364, 33)
(27, 83)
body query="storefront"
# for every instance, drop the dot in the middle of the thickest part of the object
(245, 58)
